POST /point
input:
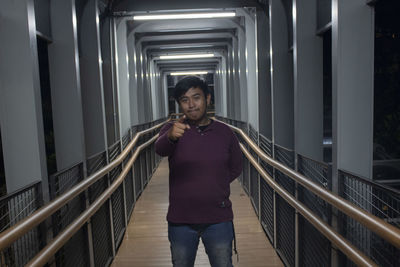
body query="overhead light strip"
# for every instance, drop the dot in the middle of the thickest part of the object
(189, 73)
(185, 16)
(183, 56)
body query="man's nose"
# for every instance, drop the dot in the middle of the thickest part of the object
(191, 103)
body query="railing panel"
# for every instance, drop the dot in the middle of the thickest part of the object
(96, 162)
(13, 208)
(137, 177)
(75, 251)
(246, 175)
(117, 201)
(129, 194)
(319, 173)
(381, 202)
(126, 139)
(102, 243)
(143, 168)
(314, 247)
(148, 164)
(100, 222)
(117, 198)
(265, 145)
(267, 193)
(267, 209)
(254, 176)
(285, 231)
(285, 214)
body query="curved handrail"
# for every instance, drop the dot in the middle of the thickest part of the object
(373, 223)
(50, 249)
(344, 245)
(16, 231)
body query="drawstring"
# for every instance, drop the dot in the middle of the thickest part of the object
(234, 243)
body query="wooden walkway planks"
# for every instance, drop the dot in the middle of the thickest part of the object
(146, 243)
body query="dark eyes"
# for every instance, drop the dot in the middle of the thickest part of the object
(195, 97)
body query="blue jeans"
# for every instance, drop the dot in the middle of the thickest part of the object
(217, 239)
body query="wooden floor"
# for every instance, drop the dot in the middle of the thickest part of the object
(146, 242)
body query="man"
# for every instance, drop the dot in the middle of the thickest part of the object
(204, 158)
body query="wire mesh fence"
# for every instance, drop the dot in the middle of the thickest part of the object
(315, 248)
(74, 252)
(285, 214)
(379, 200)
(266, 192)
(254, 176)
(13, 208)
(100, 222)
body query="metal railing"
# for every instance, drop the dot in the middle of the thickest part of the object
(284, 212)
(15, 207)
(314, 248)
(313, 220)
(379, 200)
(89, 236)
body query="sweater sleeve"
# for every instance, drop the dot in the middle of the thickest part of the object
(164, 147)
(236, 159)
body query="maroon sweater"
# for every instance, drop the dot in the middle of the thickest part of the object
(202, 165)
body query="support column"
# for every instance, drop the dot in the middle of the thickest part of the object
(264, 77)
(308, 81)
(281, 77)
(236, 83)
(165, 89)
(92, 80)
(109, 79)
(251, 67)
(20, 98)
(65, 85)
(244, 113)
(133, 78)
(352, 86)
(123, 75)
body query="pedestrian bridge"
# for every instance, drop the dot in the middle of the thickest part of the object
(310, 88)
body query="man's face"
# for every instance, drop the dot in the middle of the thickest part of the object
(194, 103)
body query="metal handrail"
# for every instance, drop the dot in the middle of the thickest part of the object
(343, 244)
(16, 231)
(375, 224)
(50, 249)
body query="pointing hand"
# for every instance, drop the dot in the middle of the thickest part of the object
(178, 129)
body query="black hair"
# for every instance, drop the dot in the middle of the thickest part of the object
(189, 82)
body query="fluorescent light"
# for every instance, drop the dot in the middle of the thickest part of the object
(185, 16)
(183, 56)
(189, 73)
